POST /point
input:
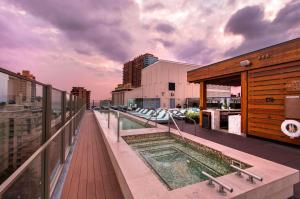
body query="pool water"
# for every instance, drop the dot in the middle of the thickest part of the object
(178, 164)
(126, 123)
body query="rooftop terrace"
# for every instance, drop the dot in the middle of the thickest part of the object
(63, 153)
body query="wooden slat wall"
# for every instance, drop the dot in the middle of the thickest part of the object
(265, 118)
(281, 53)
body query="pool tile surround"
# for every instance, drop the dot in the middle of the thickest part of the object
(138, 181)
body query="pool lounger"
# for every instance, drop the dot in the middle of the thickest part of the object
(162, 120)
(180, 114)
(141, 113)
(135, 111)
(138, 112)
(148, 114)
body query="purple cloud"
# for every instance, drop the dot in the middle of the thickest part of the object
(165, 28)
(195, 51)
(96, 23)
(165, 43)
(258, 33)
(153, 6)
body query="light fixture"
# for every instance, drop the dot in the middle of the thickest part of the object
(245, 63)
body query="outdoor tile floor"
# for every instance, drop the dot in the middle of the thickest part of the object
(276, 152)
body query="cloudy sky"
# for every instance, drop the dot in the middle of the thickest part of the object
(85, 43)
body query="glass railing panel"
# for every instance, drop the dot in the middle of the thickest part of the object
(20, 122)
(68, 106)
(28, 185)
(56, 116)
(54, 150)
(67, 135)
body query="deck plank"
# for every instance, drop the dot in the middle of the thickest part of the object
(91, 175)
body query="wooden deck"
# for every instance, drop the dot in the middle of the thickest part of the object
(91, 174)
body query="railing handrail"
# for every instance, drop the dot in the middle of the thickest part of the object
(170, 115)
(250, 175)
(222, 186)
(19, 171)
(194, 121)
(118, 121)
(5, 71)
(150, 116)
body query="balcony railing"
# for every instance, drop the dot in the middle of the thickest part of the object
(38, 125)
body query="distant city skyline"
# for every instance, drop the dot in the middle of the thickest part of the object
(67, 43)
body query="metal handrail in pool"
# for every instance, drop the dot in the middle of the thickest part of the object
(118, 122)
(148, 119)
(251, 176)
(170, 116)
(222, 186)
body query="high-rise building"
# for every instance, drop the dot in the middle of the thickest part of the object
(20, 121)
(27, 74)
(83, 95)
(132, 70)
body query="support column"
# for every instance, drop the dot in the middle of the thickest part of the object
(244, 102)
(202, 101)
(63, 120)
(71, 123)
(47, 110)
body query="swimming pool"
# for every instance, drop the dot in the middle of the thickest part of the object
(178, 164)
(126, 123)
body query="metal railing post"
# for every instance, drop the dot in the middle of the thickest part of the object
(47, 113)
(118, 130)
(156, 118)
(75, 109)
(63, 120)
(108, 118)
(70, 126)
(169, 122)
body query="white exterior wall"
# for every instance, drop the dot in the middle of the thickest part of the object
(155, 83)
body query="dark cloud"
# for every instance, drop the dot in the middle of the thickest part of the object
(165, 43)
(83, 51)
(153, 6)
(165, 28)
(257, 32)
(98, 23)
(195, 51)
(248, 22)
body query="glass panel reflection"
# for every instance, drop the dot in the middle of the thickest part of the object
(20, 122)
(68, 106)
(67, 132)
(56, 117)
(54, 156)
(28, 185)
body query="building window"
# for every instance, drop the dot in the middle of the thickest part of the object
(171, 86)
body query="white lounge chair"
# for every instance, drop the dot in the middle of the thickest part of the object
(163, 117)
(180, 114)
(148, 114)
(138, 112)
(142, 112)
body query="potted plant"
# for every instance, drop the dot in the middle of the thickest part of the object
(190, 116)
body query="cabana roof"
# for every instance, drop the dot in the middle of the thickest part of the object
(276, 54)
